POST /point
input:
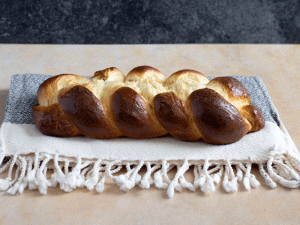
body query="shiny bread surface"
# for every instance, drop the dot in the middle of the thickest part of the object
(146, 104)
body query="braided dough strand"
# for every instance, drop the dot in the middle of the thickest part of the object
(144, 104)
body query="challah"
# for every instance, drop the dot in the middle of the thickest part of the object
(145, 104)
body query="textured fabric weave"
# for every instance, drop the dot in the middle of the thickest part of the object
(254, 147)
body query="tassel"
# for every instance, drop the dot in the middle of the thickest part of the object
(108, 169)
(61, 177)
(266, 177)
(22, 175)
(80, 181)
(171, 188)
(127, 185)
(281, 180)
(120, 179)
(249, 178)
(178, 186)
(124, 183)
(174, 183)
(186, 184)
(293, 169)
(145, 182)
(201, 178)
(231, 185)
(22, 187)
(158, 180)
(225, 180)
(43, 183)
(138, 178)
(24, 184)
(53, 180)
(100, 185)
(93, 180)
(294, 159)
(217, 176)
(165, 169)
(4, 184)
(239, 173)
(253, 181)
(208, 184)
(196, 176)
(214, 169)
(289, 172)
(117, 169)
(25, 180)
(247, 182)
(13, 190)
(32, 181)
(135, 178)
(73, 176)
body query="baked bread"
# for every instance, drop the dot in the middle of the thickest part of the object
(145, 104)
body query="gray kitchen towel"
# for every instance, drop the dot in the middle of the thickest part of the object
(85, 162)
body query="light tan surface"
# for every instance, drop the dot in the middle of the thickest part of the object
(277, 65)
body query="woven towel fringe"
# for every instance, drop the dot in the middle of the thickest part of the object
(174, 184)
(229, 185)
(147, 180)
(31, 172)
(203, 178)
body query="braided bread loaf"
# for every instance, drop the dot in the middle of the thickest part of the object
(145, 104)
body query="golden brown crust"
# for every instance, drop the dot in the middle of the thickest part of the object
(186, 71)
(141, 70)
(219, 121)
(107, 74)
(145, 104)
(182, 74)
(87, 113)
(231, 89)
(144, 72)
(254, 116)
(233, 86)
(52, 121)
(49, 89)
(131, 114)
(171, 112)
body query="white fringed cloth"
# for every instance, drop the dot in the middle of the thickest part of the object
(79, 162)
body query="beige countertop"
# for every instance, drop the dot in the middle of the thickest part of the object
(277, 65)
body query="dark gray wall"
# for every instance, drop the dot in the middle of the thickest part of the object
(142, 22)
